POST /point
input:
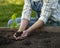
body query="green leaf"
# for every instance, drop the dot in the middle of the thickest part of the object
(14, 24)
(13, 16)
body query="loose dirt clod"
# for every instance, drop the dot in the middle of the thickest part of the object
(18, 34)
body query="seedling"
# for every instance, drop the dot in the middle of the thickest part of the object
(14, 24)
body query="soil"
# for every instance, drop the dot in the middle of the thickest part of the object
(34, 40)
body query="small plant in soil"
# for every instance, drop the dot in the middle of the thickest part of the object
(14, 24)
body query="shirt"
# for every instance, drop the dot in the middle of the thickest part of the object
(50, 9)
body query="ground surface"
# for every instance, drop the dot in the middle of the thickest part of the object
(35, 40)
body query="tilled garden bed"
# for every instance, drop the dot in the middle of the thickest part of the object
(44, 38)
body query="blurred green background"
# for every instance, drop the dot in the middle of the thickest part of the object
(9, 7)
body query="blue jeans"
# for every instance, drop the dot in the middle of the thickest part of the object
(32, 21)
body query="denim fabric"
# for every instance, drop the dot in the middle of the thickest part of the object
(36, 6)
(32, 21)
(53, 23)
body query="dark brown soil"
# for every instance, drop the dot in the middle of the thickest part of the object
(35, 40)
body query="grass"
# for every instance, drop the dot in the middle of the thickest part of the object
(6, 12)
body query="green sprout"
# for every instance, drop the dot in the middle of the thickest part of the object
(14, 16)
(14, 24)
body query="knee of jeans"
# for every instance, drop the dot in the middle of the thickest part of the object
(9, 22)
(55, 24)
(18, 20)
(31, 23)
